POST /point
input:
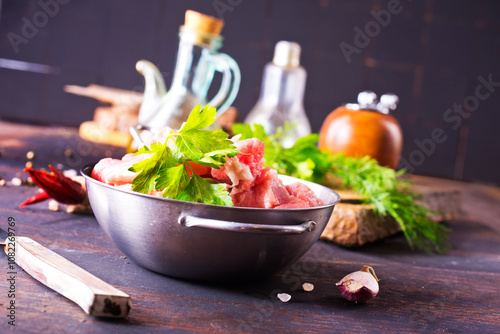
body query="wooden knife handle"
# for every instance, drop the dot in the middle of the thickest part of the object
(92, 294)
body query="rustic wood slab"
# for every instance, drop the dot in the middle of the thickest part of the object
(96, 133)
(111, 123)
(110, 95)
(354, 223)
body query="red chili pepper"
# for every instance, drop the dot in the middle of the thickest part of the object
(55, 185)
(40, 197)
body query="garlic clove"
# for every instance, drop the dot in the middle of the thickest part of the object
(359, 286)
(284, 297)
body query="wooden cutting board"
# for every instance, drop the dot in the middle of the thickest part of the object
(354, 224)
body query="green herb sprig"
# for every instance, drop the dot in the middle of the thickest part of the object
(390, 195)
(380, 186)
(167, 168)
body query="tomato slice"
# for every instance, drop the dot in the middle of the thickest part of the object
(198, 169)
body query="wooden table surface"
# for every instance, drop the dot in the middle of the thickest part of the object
(453, 293)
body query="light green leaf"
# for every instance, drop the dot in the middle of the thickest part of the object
(200, 191)
(144, 182)
(305, 169)
(248, 131)
(194, 144)
(166, 168)
(172, 180)
(220, 195)
(199, 119)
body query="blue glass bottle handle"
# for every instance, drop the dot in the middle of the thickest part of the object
(231, 78)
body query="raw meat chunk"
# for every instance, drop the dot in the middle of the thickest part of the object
(242, 170)
(304, 193)
(114, 171)
(259, 187)
(267, 193)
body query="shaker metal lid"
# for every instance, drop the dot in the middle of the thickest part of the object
(367, 100)
(287, 54)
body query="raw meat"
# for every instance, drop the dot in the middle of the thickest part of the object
(252, 185)
(269, 192)
(304, 193)
(115, 172)
(242, 170)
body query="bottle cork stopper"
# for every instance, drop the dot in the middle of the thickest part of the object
(203, 23)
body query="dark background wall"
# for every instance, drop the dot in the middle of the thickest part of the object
(435, 54)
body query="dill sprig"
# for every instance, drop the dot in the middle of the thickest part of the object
(383, 188)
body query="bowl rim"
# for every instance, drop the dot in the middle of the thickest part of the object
(89, 167)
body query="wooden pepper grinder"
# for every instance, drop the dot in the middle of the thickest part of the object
(365, 128)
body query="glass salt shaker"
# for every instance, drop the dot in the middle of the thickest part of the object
(282, 94)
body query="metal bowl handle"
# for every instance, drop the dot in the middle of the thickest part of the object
(192, 221)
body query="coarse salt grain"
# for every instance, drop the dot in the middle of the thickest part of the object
(284, 297)
(308, 287)
(53, 205)
(16, 181)
(70, 173)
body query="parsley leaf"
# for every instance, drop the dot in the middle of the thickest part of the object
(144, 182)
(206, 147)
(199, 118)
(200, 191)
(167, 169)
(172, 180)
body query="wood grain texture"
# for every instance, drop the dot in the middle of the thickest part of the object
(453, 293)
(93, 295)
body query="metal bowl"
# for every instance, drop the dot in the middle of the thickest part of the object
(207, 242)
